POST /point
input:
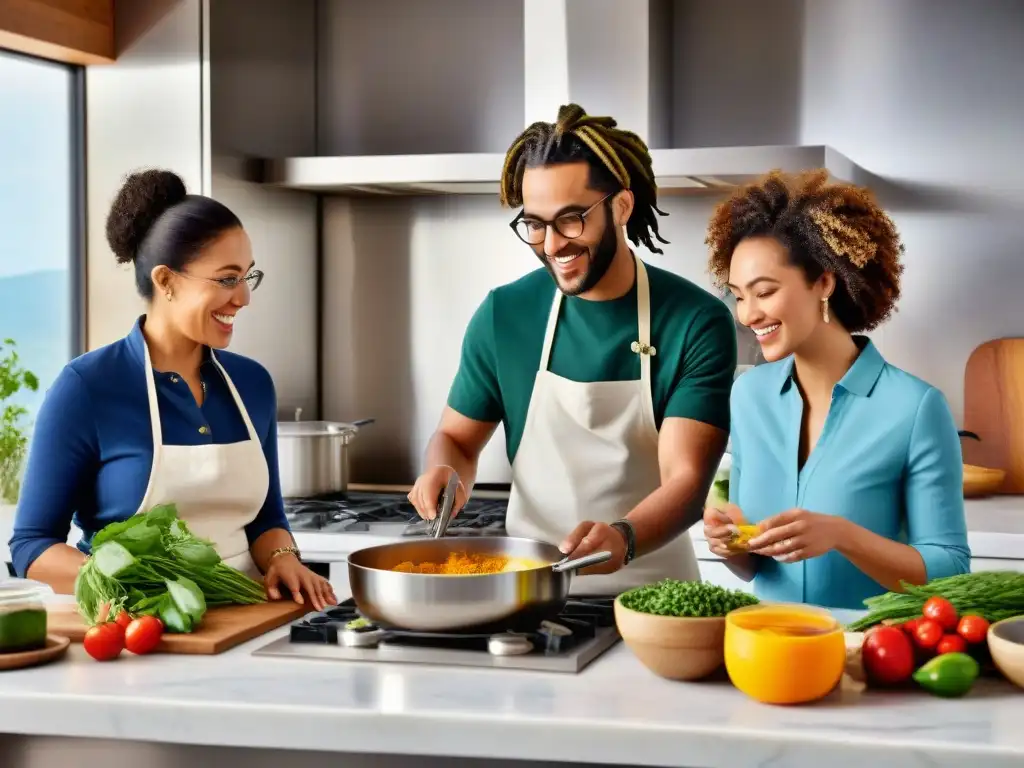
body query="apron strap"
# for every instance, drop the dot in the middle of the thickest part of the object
(238, 398)
(154, 404)
(643, 320)
(549, 334)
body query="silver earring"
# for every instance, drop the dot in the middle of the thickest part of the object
(824, 310)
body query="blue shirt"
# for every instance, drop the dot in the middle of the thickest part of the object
(92, 447)
(888, 459)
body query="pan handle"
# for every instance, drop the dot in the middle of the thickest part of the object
(568, 566)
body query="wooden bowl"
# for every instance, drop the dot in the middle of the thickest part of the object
(1006, 645)
(981, 481)
(676, 648)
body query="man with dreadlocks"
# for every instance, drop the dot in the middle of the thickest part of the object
(611, 377)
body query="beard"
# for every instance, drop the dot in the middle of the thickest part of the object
(599, 259)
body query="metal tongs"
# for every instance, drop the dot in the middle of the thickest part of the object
(445, 506)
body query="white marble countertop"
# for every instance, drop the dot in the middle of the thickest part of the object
(615, 711)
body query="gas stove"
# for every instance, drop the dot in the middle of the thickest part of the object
(389, 513)
(582, 631)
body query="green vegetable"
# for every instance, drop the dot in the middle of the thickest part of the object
(153, 565)
(993, 595)
(949, 674)
(685, 598)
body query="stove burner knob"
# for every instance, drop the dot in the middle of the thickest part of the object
(508, 645)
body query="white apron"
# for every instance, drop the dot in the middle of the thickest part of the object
(217, 489)
(590, 452)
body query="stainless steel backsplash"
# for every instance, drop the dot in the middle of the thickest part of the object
(402, 278)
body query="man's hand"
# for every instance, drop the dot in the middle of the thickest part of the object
(590, 537)
(427, 491)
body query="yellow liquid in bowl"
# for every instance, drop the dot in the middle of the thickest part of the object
(784, 654)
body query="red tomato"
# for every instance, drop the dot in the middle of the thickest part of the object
(888, 656)
(927, 634)
(104, 641)
(123, 619)
(973, 629)
(910, 626)
(143, 634)
(951, 644)
(942, 612)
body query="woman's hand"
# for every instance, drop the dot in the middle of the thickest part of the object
(288, 570)
(720, 528)
(797, 535)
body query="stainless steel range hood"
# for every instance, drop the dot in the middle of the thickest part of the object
(614, 58)
(679, 171)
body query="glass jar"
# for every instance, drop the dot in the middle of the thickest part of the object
(22, 615)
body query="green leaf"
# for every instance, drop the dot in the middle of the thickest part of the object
(113, 531)
(162, 516)
(196, 552)
(141, 539)
(111, 559)
(174, 619)
(188, 598)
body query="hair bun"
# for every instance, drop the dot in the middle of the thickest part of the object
(144, 196)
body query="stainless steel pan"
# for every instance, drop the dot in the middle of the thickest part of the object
(461, 604)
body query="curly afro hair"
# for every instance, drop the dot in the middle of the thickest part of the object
(826, 227)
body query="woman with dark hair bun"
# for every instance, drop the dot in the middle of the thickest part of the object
(850, 466)
(158, 417)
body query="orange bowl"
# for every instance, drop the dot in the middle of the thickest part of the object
(778, 653)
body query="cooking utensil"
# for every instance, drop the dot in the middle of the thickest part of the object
(994, 410)
(446, 505)
(462, 604)
(312, 456)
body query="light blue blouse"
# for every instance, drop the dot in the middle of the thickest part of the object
(888, 459)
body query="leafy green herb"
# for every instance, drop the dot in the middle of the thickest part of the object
(696, 599)
(993, 595)
(153, 565)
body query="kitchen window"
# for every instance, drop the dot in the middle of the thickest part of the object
(41, 235)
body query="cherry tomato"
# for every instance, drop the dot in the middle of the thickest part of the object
(951, 644)
(104, 641)
(973, 629)
(927, 634)
(143, 634)
(123, 620)
(910, 626)
(942, 612)
(888, 656)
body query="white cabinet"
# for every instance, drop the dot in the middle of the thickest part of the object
(996, 564)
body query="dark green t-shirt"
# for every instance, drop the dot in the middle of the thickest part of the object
(692, 331)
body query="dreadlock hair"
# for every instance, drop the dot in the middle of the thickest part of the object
(618, 160)
(826, 227)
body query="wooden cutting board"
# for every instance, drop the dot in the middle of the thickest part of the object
(221, 628)
(994, 410)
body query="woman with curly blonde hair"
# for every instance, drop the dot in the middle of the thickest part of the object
(850, 467)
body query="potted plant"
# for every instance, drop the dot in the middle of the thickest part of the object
(13, 429)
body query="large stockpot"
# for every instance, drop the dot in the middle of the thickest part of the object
(460, 604)
(312, 456)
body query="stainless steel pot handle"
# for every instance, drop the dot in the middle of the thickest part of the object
(568, 566)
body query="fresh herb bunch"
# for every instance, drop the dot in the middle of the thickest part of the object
(993, 595)
(151, 564)
(697, 599)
